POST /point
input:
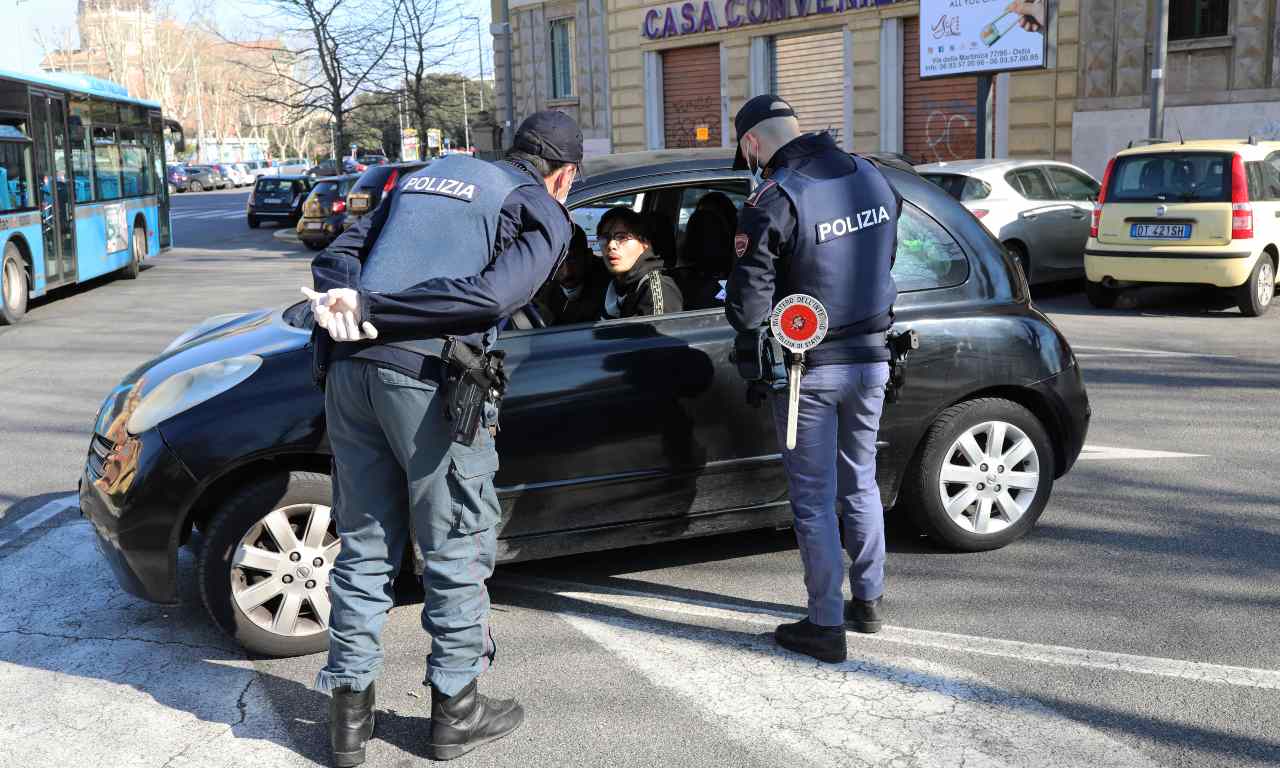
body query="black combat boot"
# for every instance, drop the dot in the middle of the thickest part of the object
(350, 724)
(863, 615)
(822, 643)
(462, 722)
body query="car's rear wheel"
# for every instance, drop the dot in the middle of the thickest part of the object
(1100, 296)
(13, 285)
(197, 186)
(264, 568)
(982, 477)
(137, 251)
(1254, 297)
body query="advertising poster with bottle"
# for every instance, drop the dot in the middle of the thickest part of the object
(966, 37)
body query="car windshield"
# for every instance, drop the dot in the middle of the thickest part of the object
(1187, 177)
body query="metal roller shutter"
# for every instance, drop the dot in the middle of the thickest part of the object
(691, 96)
(939, 117)
(809, 73)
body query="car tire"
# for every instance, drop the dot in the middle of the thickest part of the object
(197, 186)
(15, 285)
(1100, 296)
(968, 488)
(1254, 297)
(253, 222)
(313, 245)
(137, 252)
(241, 531)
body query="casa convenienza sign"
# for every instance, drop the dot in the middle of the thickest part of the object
(714, 15)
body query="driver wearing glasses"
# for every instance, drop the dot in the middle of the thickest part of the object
(639, 286)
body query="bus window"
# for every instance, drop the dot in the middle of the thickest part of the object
(15, 171)
(81, 149)
(106, 162)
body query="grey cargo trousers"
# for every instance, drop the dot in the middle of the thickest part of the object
(397, 471)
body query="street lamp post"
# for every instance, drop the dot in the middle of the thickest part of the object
(466, 124)
(480, 54)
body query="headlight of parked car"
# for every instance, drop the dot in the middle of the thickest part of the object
(185, 390)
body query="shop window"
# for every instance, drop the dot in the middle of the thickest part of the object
(562, 43)
(1197, 18)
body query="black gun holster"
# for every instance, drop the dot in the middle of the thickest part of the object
(475, 383)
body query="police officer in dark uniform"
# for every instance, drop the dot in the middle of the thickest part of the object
(823, 222)
(407, 297)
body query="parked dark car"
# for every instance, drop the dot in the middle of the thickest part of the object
(328, 167)
(277, 198)
(177, 178)
(614, 433)
(324, 214)
(369, 161)
(204, 177)
(367, 192)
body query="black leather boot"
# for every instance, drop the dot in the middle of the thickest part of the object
(350, 724)
(863, 616)
(822, 643)
(462, 722)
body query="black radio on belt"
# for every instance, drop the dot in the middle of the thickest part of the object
(476, 382)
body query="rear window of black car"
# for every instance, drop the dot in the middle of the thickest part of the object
(1179, 177)
(278, 186)
(927, 256)
(375, 178)
(325, 189)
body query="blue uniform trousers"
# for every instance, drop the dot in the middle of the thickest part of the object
(397, 471)
(834, 464)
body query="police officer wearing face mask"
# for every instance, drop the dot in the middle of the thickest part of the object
(823, 222)
(407, 304)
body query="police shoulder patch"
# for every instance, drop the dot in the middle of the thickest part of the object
(433, 185)
(760, 190)
(740, 243)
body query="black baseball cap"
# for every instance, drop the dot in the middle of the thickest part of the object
(755, 111)
(551, 135)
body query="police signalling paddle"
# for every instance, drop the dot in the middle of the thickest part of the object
(799, 323)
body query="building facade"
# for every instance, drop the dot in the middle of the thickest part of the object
(649, 75)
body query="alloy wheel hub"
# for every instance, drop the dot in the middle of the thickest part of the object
(989, 477)
(280, 570)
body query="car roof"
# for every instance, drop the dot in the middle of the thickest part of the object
(287, 177)
(342, 177)
(1243, 146)
(997, 166)
(627, 166)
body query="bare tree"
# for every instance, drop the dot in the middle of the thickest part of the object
(338, 49)
(430, 33)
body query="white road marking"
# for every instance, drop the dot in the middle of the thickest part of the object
(880, 708)
(94, 676)
(1194, 671)
(44, 514)
(1085, 351)
(1107, 453)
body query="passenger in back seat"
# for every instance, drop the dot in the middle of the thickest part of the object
(705, 260)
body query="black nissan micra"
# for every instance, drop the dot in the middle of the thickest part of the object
(614, 432)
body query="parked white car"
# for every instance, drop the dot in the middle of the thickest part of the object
(240, 174)
(1039, 209)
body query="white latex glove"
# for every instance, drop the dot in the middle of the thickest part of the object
(335, 311)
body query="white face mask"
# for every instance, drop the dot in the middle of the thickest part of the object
(753, 165)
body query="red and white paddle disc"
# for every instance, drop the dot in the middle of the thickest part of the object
(799, 322)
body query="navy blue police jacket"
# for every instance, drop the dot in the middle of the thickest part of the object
(823, 223)
(531, 237)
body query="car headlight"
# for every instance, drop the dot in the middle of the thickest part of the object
(183, 391)
(199, 330)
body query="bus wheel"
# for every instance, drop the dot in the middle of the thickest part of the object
(13, 285)
(137, 251)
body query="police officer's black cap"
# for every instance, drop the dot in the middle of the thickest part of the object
(754, 112)
(551, 135)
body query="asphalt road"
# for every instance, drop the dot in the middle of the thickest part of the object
(1135, 626)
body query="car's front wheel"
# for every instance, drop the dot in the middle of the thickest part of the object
(197, 186)
(264, 567)
(1100, 296)
(1254, 297)
(982, 477)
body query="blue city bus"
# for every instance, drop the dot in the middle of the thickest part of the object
(82, 183)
